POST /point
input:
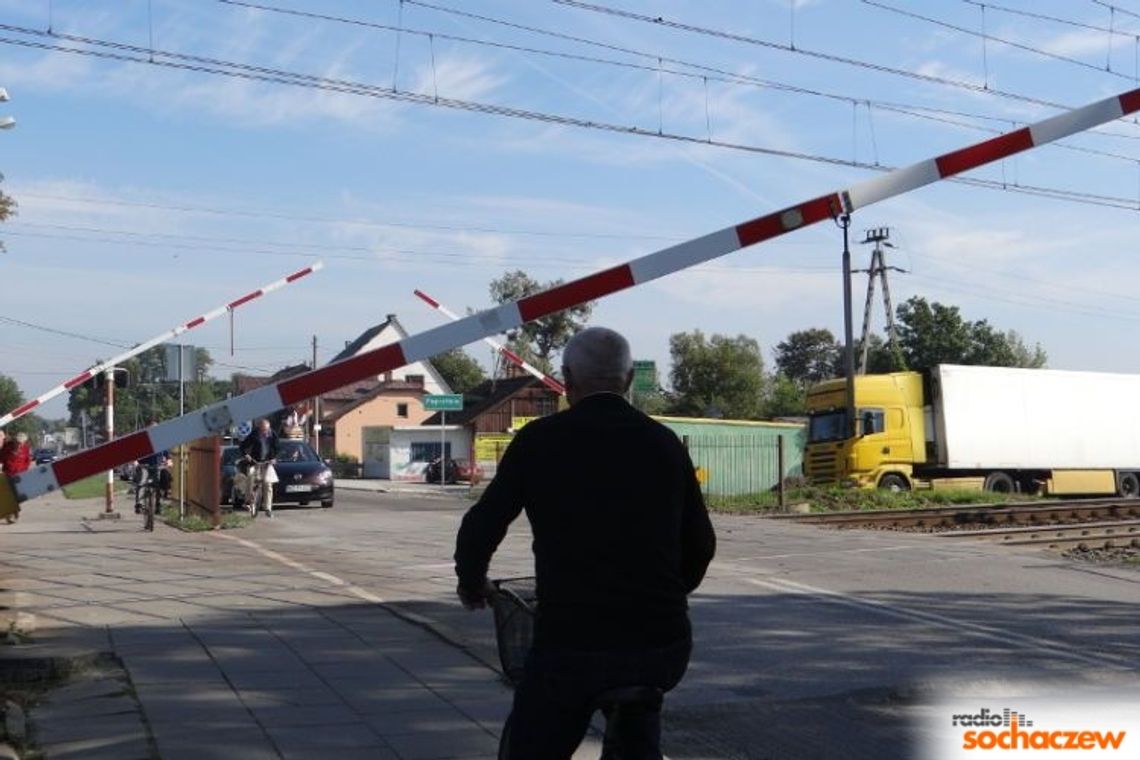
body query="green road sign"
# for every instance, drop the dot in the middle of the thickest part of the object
(645, 376)
(443, 402)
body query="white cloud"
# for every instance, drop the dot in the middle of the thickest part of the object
(1081, 42)
(462, 77)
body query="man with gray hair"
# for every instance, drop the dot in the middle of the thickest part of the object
(621, 537)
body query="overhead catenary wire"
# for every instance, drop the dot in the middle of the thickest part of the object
(246, 71)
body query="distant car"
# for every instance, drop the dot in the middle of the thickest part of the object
(44, 456)
(302, 476)
(458, 470)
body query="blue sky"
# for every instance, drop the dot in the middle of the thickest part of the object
(149, 194)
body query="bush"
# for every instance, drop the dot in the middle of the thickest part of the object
(837, 499)
(346, 466)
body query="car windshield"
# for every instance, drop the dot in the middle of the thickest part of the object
(829, 426)
(295, 451)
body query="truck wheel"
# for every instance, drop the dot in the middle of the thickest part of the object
(894, 483)
(999, 482)
(1127, 485)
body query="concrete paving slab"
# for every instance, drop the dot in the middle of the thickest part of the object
(101, 748)
(218, 744)
(462, 743)
(421, 722)
(121, 727)
(330, 715)
(283, 697)
(358, 735)
(342, 753)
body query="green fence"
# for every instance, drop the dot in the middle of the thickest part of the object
(738, 465)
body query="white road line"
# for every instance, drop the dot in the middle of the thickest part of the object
(351, 588)
(1046, 646)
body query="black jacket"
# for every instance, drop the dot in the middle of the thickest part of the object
(621, 533)
(251, 447)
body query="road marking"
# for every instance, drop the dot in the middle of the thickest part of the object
(1046, 646)
(351, 588)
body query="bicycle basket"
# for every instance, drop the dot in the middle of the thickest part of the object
(514, 605)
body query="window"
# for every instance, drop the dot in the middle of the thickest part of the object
(401, 410)
(428, 452)
(872, 420)
(414, 379)
(828, 426)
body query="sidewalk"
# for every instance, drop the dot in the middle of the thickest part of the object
(406, 488)
(216, 651)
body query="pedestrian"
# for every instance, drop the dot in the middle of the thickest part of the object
(16, 455)
(260, 447)
(621, 537)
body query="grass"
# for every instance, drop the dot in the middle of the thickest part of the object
(194, 522)
(93, 487)
(835, 499)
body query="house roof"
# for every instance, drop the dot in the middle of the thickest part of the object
(485, 396)
(356, 346)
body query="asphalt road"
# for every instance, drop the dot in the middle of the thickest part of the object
(807, 639)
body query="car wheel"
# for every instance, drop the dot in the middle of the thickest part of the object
(327, 503)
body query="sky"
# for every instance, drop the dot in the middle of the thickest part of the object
(172, 155)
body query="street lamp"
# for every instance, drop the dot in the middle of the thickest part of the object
(6, 122)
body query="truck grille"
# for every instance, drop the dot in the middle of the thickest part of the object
(821, 465)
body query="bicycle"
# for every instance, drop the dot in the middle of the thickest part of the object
(260, 488)
(146, 480)
(627, 709)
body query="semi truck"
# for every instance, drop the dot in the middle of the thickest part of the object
(997, 429)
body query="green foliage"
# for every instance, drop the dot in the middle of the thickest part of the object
(539, 340)
(837, 499)
(94, 487)
(149, 396)
(10, 398)
(932, 333)
(7, 209)
(784, 397)
(807, 356)
(651, 402)
(195, 521)
(716, 377)
(460, 371)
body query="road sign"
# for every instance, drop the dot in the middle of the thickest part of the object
(645, 376)
(443, 402)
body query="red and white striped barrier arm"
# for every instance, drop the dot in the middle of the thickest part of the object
(267, 399)
(79, 379)
(507, 353)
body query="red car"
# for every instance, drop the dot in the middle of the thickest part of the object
(458, 470)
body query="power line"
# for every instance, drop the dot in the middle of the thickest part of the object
(992, 38)
(245, 71)
(1046, 17)
(831, 57)
(722, 76)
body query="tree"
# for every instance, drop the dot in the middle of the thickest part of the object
(716, 377)
(784, 397)
(933, 333)
(150, 396)
(808, 356)
(10, 398)
(459, 370)
(7, 209)
(539, 340)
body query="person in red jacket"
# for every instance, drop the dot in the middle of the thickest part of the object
(16, 456)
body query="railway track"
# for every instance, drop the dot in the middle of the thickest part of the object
(1084, 525)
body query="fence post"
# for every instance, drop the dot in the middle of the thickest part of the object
(780, 473)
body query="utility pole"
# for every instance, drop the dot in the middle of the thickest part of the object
(316, 409)
(880, 236)
(109, 405)
(844, 222)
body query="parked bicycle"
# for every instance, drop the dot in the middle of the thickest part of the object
(629, 710)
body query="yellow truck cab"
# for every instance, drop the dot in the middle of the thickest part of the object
(890, 435)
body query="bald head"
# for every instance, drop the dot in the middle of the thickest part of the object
(596, 360)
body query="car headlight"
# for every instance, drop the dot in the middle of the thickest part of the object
(324, 476)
